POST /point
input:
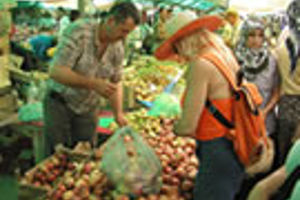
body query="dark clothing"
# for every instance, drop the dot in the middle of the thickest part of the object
(64, 126)
(40, 44)
(31, 61)
(220, 173)
(289, 117)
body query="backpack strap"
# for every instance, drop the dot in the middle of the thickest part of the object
(218, 115)
(218, 62)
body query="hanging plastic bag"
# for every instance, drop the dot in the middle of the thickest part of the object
(130, 164)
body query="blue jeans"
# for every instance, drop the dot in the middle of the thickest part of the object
(220, 173)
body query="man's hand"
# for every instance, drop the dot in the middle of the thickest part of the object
(104, 88)
(121, 120)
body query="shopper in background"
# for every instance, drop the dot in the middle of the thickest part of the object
(160, 30)
(136, 38)
(287, 56)
(42, 42)
(231, 29)
(259, 66)
(190, 39)
(87, 65)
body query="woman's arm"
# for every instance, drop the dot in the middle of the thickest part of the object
(196, 94)
(264, 189)
(273, 101)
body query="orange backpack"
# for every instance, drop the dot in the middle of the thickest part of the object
(246, 128)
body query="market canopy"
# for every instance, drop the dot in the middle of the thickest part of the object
(189, 4)
(259, 5)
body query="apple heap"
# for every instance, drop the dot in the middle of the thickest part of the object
(177, 154)
(178, 160)
(85, 182)
(46, 174)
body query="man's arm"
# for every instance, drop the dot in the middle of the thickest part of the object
(116, 101)
(196, 95)
(67, 76)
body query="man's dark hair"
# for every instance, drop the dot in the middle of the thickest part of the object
(54, 42)
(74, 15)
(121, 11)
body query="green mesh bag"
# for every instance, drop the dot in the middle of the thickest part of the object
(130, 164)
(165, 105)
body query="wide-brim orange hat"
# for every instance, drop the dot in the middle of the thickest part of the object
(181, 25)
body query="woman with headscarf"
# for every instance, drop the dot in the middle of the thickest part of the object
(259, 67)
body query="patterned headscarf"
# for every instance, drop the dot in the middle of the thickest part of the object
(252, 61)
(293, 13)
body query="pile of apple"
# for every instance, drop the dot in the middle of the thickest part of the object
(177, 155)
(178, 160)
(83, 180)
(86, 182)
(48, 173)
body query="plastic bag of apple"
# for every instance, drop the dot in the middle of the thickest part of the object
(176, 154)
(130, 164)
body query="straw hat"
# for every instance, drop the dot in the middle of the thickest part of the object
(181, 25)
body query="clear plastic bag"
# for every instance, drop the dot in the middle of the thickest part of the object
(130, 164)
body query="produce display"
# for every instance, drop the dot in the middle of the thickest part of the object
(148, 77)
(67, 177)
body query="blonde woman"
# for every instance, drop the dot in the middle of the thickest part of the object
(220, 173)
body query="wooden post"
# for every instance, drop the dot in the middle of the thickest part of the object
(5, 27)
(81, 6)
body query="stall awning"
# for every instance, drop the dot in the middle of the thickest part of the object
(188, 4)
(259, 5)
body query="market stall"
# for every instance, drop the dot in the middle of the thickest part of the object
(143, 161)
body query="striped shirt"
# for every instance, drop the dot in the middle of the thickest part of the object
(79, 49)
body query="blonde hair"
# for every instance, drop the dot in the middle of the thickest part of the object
(191, 45)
